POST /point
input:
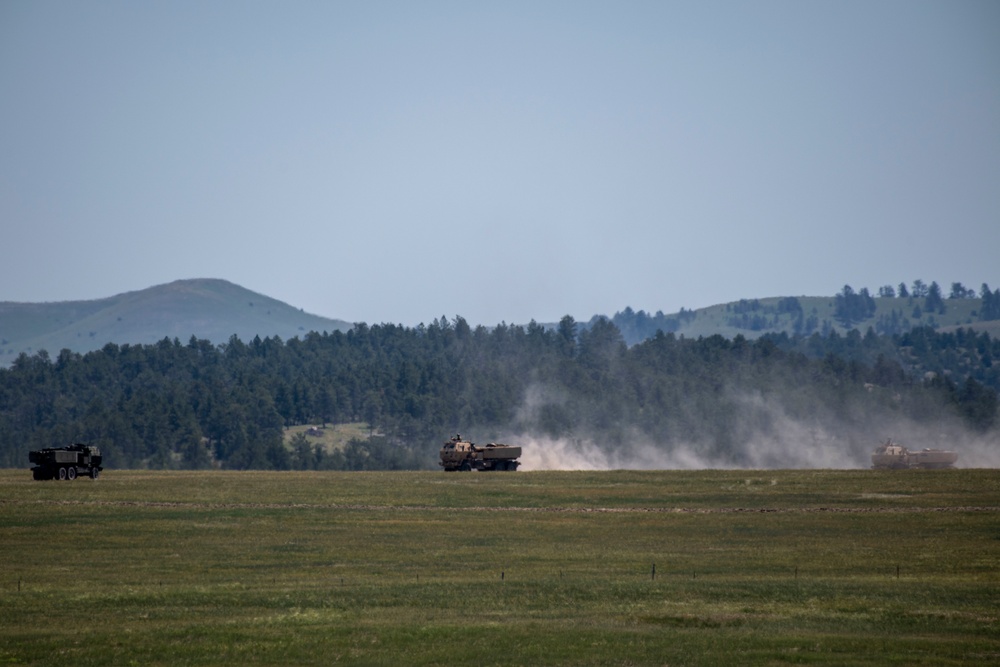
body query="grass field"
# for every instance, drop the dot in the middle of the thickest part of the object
(331, 437)
(429, 568)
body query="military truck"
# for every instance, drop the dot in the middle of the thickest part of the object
(458, 454)
(66, 462)
(890, 455)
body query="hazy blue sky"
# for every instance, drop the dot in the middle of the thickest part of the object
(506, 161)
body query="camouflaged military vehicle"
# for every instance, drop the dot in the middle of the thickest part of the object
(458, 454)
(889, 455)
(66, 462)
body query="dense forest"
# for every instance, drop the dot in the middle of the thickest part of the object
(198, 405)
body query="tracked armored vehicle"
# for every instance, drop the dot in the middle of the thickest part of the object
(66, 462)
(458, 454)
(890, 455)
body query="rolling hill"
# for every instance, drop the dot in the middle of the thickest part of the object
(804, 315)
(215, 310)
(208, 309)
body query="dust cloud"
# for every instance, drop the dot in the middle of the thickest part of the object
(542, 453)
(577, 454)
(555, 454)
(766, 437)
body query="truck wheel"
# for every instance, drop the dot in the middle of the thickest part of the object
(71, 473)
(62, 474)
(94, 473)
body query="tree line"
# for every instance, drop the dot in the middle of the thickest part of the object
(199, 405)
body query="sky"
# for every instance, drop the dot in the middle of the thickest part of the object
(503, 162)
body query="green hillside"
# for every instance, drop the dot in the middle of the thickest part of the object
(215, 310)
(754, 317)
(209, 309)
(805, 315)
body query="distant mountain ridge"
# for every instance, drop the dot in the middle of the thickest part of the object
(214, 309)
(207, 308)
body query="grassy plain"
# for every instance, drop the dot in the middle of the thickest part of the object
(429, 568)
